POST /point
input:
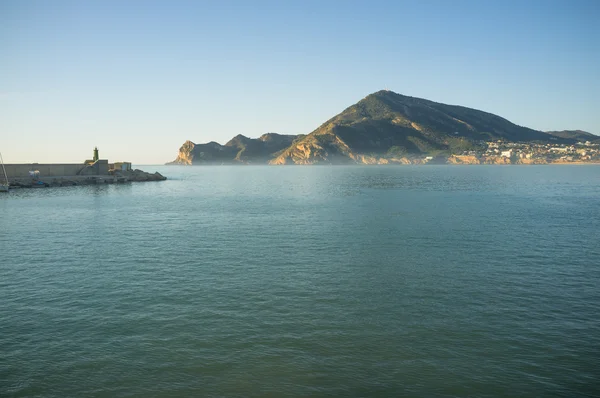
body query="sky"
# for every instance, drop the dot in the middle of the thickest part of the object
(139, 78)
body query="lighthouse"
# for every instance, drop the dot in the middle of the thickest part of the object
(96, 154)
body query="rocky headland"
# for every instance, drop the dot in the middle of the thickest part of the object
(239, 150)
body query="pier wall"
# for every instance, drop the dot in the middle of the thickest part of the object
(46, 170)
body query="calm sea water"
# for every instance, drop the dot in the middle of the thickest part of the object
(305, 281)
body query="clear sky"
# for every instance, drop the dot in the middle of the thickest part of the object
(138, 78)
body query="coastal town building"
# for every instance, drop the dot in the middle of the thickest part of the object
(122, 166)
(500, 152)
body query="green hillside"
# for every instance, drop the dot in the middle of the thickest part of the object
(386, 124)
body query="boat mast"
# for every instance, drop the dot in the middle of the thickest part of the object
(3, 169)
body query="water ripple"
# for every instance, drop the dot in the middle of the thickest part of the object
(316, 281)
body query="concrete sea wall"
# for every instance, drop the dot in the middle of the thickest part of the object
(46, 170)
(100, 167)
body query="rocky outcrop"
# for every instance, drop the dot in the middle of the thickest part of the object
(239, 150)
(532, 161)
(497, 160)
(322, 148)
(212, 152)
(463, 159)
(138, 175)
(185, 156)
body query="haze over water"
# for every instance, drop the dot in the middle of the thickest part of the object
(305, 281)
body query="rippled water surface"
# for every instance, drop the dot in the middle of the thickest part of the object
(305, 281)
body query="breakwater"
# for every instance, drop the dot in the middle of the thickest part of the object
(33, 175)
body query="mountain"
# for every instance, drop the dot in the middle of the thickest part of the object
(240, 149)
(577, 135)
(386, 126)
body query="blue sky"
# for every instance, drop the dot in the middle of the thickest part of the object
(138, 78)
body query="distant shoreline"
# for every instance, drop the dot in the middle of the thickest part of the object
(384, 164)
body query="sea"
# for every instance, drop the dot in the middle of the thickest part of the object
(305, 281)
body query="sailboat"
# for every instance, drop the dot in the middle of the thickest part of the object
(3, 185)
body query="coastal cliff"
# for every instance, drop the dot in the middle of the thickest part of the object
(185, 153)
(239, 150)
